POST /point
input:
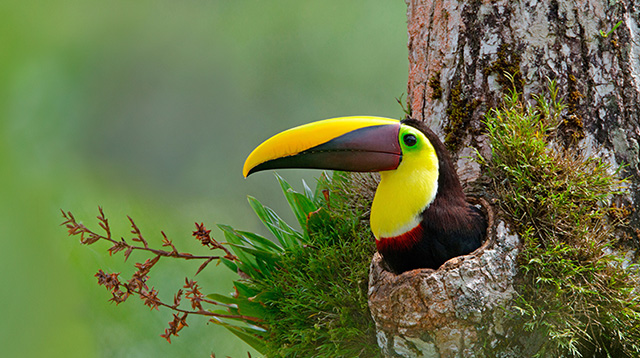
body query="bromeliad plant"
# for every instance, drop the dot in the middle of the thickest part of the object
(304, 295)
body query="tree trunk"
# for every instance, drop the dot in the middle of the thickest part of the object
(459, 52)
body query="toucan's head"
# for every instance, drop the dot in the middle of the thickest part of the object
(402, 151)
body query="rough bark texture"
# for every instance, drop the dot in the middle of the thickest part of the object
(459, 52)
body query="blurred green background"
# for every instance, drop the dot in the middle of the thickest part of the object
(148, 108)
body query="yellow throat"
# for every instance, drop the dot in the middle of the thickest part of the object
(404, 193)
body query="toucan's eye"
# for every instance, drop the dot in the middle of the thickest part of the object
(410, 140)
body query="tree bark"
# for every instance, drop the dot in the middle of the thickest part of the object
(459, 52)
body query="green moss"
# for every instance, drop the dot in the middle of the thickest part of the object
(573, 299)
(321, 309)
(572, 127)
(507, 68)
(459, 112)
(434, 84)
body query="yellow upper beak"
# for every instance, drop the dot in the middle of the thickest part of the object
(345, 143)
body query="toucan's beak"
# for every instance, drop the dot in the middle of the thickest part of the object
(361, 144)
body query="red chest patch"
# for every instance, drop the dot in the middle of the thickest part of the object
(401, 242)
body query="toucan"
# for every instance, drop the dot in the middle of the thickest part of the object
(419, 216)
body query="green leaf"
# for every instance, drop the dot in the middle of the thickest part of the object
(300, 204)
(245, 306)
(323, 183)
(237, 246)
(252, 309)
(244, 289)
(242, 305)
(267, 268)
(260, 242)
(223, 298)
(243, 240)
(307, 191)
(286, 235)
(252, 336)
(230, 264)
(264, 255)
